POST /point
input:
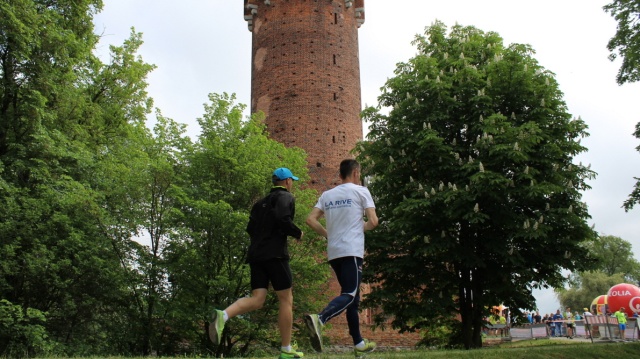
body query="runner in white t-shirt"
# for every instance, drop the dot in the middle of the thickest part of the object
(344, 208)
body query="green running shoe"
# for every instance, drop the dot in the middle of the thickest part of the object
(315, 331)
(216, 326)
(293, 353)
(368, 348)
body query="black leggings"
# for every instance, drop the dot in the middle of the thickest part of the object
(349, 273)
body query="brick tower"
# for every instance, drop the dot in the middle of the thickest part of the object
(306, 77)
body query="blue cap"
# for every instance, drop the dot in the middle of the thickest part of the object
(283, 173)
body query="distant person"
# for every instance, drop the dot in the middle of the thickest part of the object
(570, 322)
(270, 223)
(503, 321)
(493, 320)
(537, 318)
(622, 320)
(497, 318)
(550, 325)
(587, 326)
(557, 320)
(344, 207)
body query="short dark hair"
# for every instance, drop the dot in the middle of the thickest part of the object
(347, 166)
(275, 180)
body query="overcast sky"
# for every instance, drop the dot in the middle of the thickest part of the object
(204, 46)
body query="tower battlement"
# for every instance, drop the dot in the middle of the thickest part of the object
(251, 8)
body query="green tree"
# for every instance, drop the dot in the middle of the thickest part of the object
(166, 153)
(57, 119)
(584, 287)
(138, 177)
(613, 256)
(614, 264)
(474, 176)
(625, 44)
(44, 204)
(130, 176)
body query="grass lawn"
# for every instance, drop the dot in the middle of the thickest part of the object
(535, 349)
(523, 349)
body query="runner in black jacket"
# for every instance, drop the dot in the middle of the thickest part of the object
(270, 222)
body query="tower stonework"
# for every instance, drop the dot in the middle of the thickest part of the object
(306, 77)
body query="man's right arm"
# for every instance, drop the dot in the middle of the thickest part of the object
(313, 220)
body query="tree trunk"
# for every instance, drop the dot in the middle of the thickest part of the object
(477, 308)
(466, 313)
(470, 293)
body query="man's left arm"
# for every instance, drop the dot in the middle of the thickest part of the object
(284, 210)
(372, 219)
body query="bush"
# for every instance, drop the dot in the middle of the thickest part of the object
(22, 333)
(442, 334)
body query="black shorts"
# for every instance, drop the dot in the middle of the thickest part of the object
(571, 325)
(276, 271)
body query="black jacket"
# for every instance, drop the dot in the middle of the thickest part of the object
(270, 222)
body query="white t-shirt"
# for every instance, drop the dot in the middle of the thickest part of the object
(343, 207)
